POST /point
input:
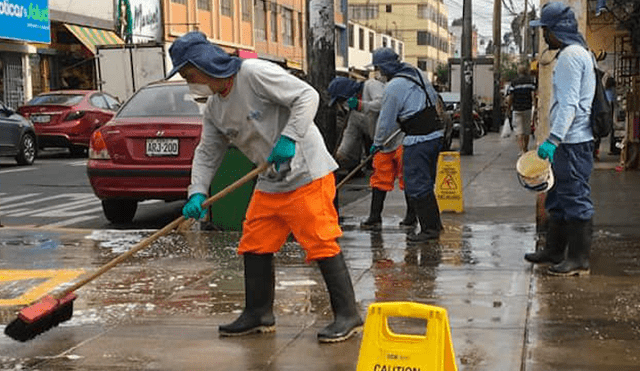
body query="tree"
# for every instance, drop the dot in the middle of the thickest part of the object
(442, 74)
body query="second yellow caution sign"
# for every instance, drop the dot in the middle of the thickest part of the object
(428, 349)
(449, 182)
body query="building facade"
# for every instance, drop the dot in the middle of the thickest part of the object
(363, 41)
(422, 26)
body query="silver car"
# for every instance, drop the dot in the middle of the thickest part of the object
(17, 136)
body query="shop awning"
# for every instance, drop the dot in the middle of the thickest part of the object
(90, 37)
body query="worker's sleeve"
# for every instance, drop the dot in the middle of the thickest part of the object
(276, 85)
(207, 156)
(387, 120)
(567, 77)
(372, 96)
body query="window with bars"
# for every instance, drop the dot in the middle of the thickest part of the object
(422, 37)
(389, 8)
(351, 38)
(371, 41)
(423, 11)
(246, 10)
(183, 2)
(204, 5)
(287, 26)
(422, 64)
(226, 8)
(363, 11)
(361, 38)
(274, 22)
(300, 28)
(260, 25)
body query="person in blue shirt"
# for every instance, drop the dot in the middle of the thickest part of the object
(409, 101)
(569, 146)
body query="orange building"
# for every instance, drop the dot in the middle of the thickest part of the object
(228, 23)
(272, 30)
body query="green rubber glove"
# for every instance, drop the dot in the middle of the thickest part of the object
(193, 208)
(546, 150)
(354, 103)
(374, 148)
(283, 151)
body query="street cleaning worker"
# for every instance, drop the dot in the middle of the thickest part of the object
(569, 146)
(410, 101)
(364, 100)
(268, 114)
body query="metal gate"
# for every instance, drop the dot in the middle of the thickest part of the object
(13, 80)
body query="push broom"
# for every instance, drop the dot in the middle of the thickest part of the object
(53, 309)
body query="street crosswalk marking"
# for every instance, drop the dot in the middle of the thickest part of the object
(53, 278)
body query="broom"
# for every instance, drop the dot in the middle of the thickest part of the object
(53, 309)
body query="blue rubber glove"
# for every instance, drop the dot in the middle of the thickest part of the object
(193, 208)
(354, 103)
(374, 149)
(546, 150)
(283, 151)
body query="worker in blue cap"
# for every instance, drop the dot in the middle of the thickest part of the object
(411, 102)
(569, 146)
(268, 114)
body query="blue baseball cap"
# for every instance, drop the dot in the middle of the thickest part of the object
(342, 87)
(194, 48)
(383, 55)
(551, 14)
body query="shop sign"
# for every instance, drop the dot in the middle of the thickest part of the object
(139, 21)
(26, 20)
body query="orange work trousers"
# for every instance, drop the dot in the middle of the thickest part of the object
(386, 168)
(307, 212)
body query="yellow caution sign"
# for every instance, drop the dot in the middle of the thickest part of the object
(449, 182)
(47, 280)
(382, 349)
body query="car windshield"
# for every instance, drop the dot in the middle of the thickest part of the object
(161, 100)
(448, 97)
(56, 99)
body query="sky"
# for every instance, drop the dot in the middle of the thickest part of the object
(482, 11)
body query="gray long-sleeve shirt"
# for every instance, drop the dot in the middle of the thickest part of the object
(264, 103)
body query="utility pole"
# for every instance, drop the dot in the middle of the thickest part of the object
(497, 50)
(466, 82)
(321, 58)
(526, 33)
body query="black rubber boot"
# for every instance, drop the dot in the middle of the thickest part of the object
(410, 218)
(346, 318)
(259, 283)
(374, 221)
(429, 217)
(579, 246)
(555, 245)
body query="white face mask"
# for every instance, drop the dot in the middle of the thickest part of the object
(200, 89)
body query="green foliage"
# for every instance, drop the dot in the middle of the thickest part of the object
(442, 74)
(509, 70)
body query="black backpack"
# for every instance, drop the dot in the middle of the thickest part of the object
(601, 116)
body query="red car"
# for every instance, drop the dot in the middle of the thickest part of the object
(66, 118)
(145, 152)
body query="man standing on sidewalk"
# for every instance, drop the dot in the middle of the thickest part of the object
(569, 146)
(520, 99)
(410, 101)
(268, 114)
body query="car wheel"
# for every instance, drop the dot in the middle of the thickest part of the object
(27, 151)
(119, 211)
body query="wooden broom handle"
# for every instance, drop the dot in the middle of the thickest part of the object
(168, 228)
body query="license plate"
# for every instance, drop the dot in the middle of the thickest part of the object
(40, 119)
(162, 147)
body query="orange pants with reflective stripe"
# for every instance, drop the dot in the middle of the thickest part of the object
(307, 212)
(386, 168)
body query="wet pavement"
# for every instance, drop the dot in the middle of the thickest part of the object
(160, 310)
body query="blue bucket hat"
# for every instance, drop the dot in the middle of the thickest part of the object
(561, 20)
(194, 48)
(382, 56)
(342, 87)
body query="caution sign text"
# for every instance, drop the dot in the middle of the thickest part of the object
(449, 182)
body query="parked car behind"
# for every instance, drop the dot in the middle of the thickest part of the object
(17, 136)
(66, 118)
(145, 152)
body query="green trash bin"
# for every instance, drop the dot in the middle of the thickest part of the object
(228, 213)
